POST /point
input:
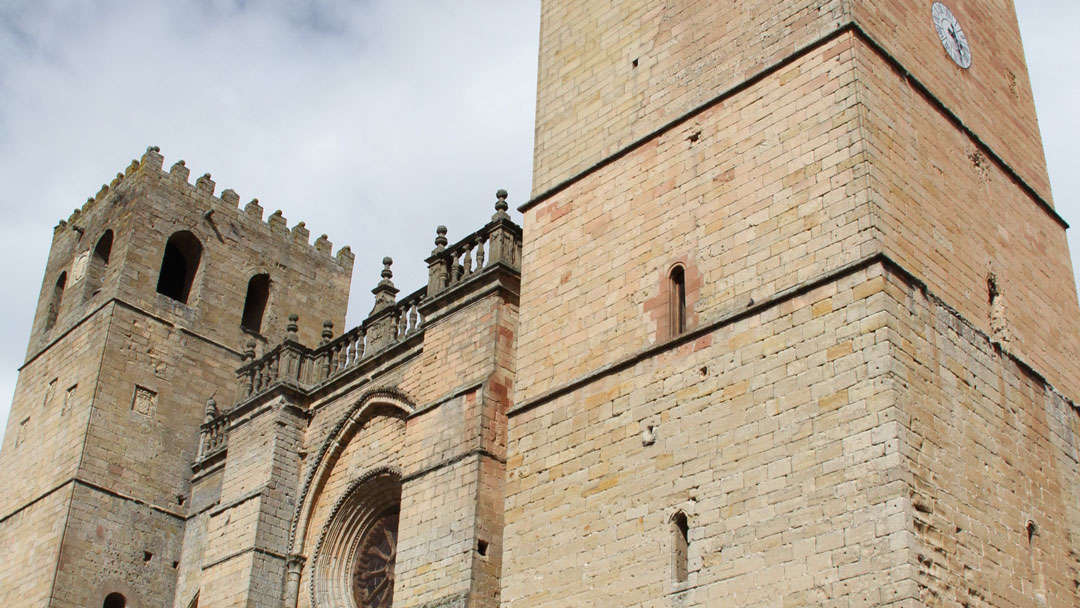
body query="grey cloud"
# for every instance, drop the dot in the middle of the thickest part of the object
(373, 121)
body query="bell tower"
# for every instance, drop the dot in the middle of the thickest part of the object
(798, 319)
(153, 292)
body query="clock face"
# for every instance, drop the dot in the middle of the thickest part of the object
(952, 35)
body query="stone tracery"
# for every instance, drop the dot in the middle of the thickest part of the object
(353, 564)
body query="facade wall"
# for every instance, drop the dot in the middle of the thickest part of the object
(179, 371)
(376, 444)
(952, 217)
(205, 495)
(592, 100)
(993, 97)
(990, 449)
(32, 536)
(47, 423)
(112, 544)
(772, 193)
(775, 434)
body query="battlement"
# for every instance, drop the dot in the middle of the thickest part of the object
(228, 202)
(143, 208)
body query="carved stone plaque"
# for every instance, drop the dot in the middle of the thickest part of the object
(144, 401)
(78, 267)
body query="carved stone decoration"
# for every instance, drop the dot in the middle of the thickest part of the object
(373, 572)
(353, 560)
(144, 401)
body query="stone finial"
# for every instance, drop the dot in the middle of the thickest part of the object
(132, 167)
(440, 239)
(277, 223)
(211, 409)
(323, 244)
(152, 157)
(116, 180)
(253, 209)
(386, 273)
(300, 233)
(327, 331)
(385, 292)
(249, 351)
(205, 185)
(501, 205)
(292, 327)
(230, 197)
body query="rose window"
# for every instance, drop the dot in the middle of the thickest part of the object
(373, 571)
(353, 563)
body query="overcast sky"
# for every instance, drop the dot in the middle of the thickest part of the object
(373, 121)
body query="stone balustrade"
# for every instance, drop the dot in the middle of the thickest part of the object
(499, 242)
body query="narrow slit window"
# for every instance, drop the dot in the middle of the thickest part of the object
(54, 302)
(114, 600)
(258, 292)
(680, 547)
(179, 264)
(677, 304)
(99, 262)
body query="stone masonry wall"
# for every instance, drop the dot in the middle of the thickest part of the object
(434, 414)
(143, 208)
(376, 444)
(112, 544)
(993, 97)
(156, 380)
(32, 536)
(774, 433)
(205, 495)
(754, 196)
(611, 73)
(47, 424)
(951, 216)
(991, 454)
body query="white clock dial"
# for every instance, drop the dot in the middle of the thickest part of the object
(952, 35)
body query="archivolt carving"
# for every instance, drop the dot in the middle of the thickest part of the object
(335, 442)
(353, 561)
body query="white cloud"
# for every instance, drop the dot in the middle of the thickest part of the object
(372, 121)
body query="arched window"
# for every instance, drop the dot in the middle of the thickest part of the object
(680, 547)
(258, 292)
(353, 564)
(677, 300)
(54, 301)
(179, 265)
(114, 600)
(99, 261)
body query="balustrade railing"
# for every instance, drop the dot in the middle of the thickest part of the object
(213, 436)
(498, 242)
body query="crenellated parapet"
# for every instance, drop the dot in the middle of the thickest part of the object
(227, 203)
(392, 323)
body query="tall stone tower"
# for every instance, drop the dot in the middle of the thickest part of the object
(153, 292)
(798, 325)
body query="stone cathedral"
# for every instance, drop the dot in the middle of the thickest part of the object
(789, 321)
